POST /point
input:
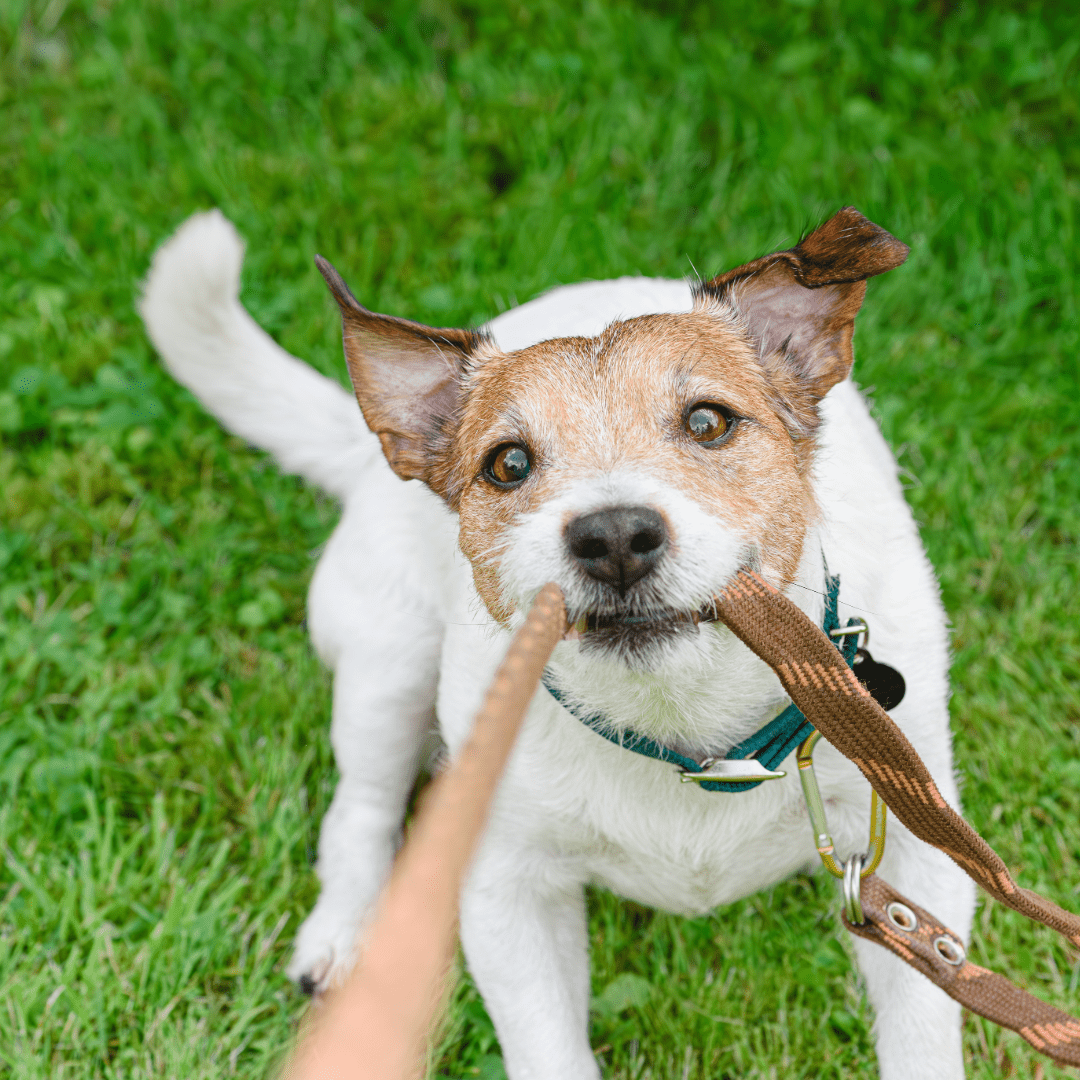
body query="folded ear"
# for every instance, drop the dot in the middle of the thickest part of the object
(800, 305)
(407, 377)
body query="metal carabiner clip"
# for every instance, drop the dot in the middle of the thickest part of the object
(857, 866)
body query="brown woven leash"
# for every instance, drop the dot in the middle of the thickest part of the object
(820, 683)
(938, 953)
(375, 1026)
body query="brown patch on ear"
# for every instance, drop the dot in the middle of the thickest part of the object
(407, 378)
(799, 305)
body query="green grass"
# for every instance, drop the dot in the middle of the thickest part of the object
(164, 760)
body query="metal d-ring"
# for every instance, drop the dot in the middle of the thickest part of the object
(852, 890)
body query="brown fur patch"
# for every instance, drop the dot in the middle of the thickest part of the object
(407, 377)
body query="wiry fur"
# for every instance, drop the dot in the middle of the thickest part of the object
(413, 601)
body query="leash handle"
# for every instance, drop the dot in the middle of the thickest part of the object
(912, 933)
(375, 1026)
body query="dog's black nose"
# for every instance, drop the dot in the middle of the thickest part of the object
(618, 546)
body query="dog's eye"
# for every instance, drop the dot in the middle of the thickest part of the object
(707, 423)
(508, 464)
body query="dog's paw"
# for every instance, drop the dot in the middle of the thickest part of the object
(311, 982)
(325, 951)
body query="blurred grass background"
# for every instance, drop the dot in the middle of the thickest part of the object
(164, 762)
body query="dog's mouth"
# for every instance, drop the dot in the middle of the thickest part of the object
(633, 631)
(593, 621)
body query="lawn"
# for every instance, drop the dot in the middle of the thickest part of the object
(164, 761)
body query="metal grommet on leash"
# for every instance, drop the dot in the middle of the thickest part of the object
(901, 916)
(852, 890)
(950, 950)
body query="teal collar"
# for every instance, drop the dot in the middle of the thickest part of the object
(769, 746)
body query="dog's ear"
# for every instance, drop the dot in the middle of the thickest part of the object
(800, 305)
(407, 377)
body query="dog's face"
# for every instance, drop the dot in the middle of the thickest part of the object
(639, 469)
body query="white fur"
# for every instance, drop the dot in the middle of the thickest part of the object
(394, 612)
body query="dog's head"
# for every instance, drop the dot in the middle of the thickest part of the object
(639, 469)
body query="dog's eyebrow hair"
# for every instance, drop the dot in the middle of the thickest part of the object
(678, 363)
(682, 373)
(511, 423)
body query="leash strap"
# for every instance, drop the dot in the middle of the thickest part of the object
(836, 703)
(839, 706)
(939, 954)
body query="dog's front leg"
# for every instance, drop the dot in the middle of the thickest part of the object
(917, 1026)
(384, 690)
(523, 927)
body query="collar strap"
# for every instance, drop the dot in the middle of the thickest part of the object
(768, 746)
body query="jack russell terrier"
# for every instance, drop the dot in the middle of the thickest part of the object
(636, 441)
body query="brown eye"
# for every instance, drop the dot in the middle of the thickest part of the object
(509, 464)
(707, 423)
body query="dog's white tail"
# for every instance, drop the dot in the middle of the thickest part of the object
(212, 346)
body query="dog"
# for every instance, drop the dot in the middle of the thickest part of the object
(637, 441)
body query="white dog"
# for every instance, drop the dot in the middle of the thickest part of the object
(636, 441)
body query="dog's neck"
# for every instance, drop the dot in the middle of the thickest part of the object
(707, 697)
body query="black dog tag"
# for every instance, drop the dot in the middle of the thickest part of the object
(886, 684)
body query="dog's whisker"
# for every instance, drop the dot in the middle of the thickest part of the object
(847, 603)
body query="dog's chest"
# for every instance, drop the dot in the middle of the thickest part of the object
(691, 862)
(606, 815)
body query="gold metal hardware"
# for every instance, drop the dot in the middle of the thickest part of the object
(819, 823)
